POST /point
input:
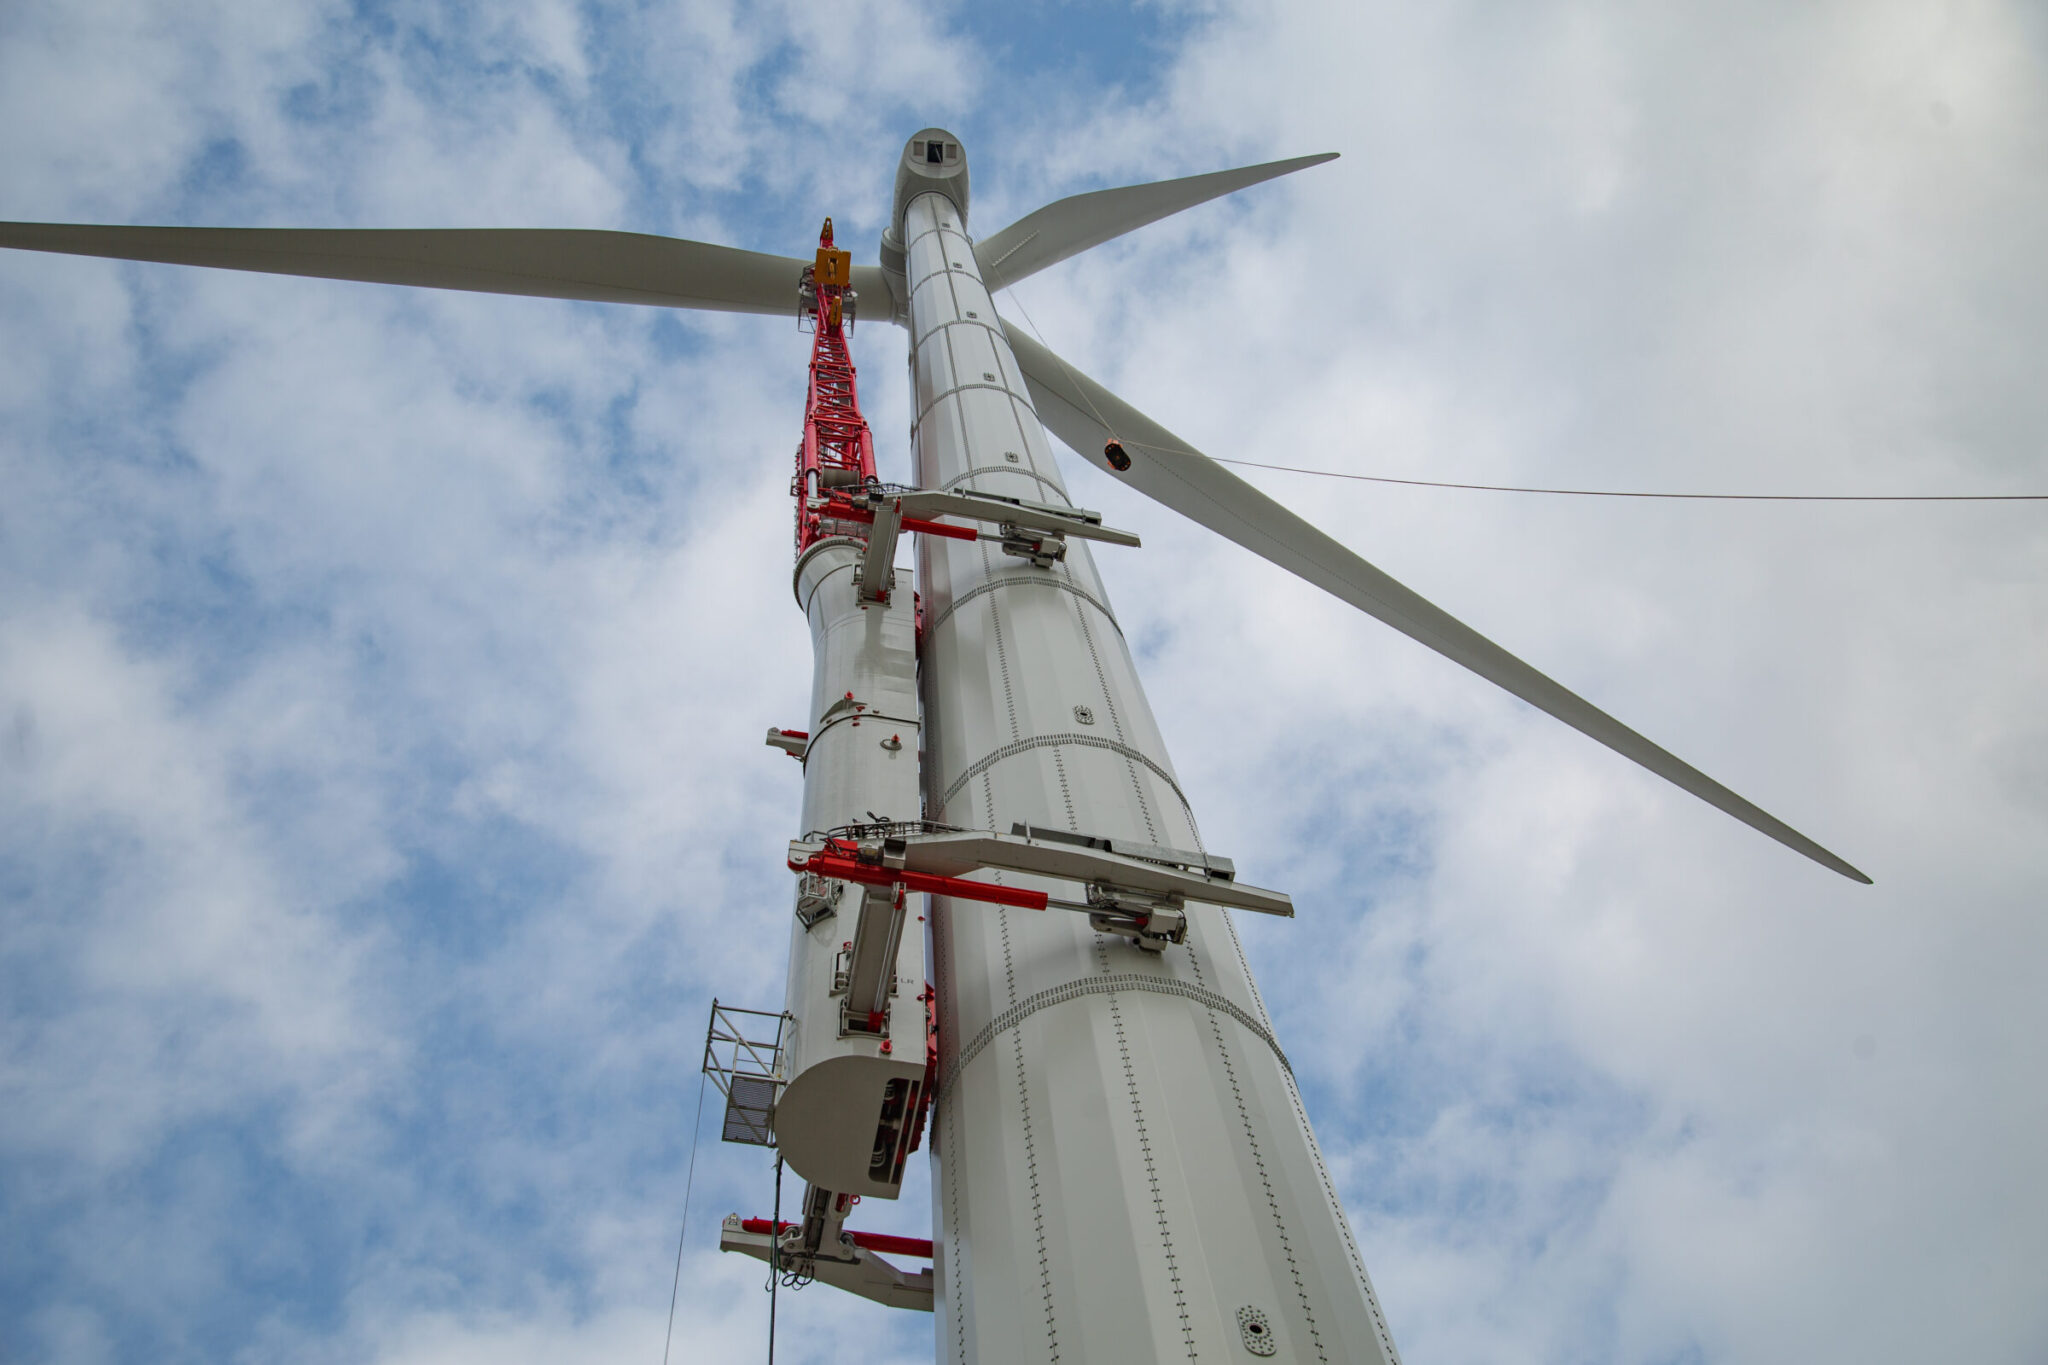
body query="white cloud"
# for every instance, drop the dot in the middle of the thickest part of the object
(183, 970)
(383, 673)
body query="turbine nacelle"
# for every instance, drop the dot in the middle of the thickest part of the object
(932, 162)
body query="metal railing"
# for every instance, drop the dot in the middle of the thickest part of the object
(746, 1066)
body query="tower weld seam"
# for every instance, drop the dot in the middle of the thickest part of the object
(1024, 470)
(1116, 719)
(1251, 1139)
(1020, 580)
(1020, 1010)
(942, 226)
(947, 272)
(956, 1303)
(1009, 960)
(1029, 431)
(1020, 746)
(1002, 665)
(1030, 1152)
(1052, 1331)
(949, 276)
(1180, 1298)
(1372, 1300)
(1066, 793)
(963, 322)
(1315, 1153)
(1244, 965)
(941, 396)
(953, 1243)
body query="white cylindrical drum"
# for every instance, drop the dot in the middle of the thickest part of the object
(856, 1075)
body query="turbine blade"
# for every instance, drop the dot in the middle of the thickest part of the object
(1085, 415)
(550, 263)
(877, 296)
(1068, 227)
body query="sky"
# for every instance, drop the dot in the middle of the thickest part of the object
(382, 673)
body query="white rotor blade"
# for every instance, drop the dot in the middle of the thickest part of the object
(550, 263)
(877, 297)
(1085, 415)
(1069, 226)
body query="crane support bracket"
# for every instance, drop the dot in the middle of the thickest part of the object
(1043, 548)
(877, 572)
(871, 960)
(1132, 889)
(849, 1265)
(1013, 512)
(915, 509)
(1213, 865)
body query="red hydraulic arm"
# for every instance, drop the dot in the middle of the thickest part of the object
(841, 860)
(872, 1241)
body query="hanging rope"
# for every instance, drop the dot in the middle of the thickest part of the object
(774, 1256)
(1066, 369)
(1104, 422)
(1615, 493)
(696, 1127)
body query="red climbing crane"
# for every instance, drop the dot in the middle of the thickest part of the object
(838, 453)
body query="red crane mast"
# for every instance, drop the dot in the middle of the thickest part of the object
(835, 465)
(838, 452)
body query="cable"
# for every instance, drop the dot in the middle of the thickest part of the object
(774, 1256)
(1615, 493)
(696, 1130)
(1066, 369)
(1082, 389)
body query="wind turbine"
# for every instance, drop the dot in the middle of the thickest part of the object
(1125, 1170)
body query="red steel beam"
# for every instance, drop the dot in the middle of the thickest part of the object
(849, 869)
(870, 1241)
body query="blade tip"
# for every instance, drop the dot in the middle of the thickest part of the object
(1854, 874)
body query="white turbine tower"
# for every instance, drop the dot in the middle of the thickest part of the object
(1125, 1171)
